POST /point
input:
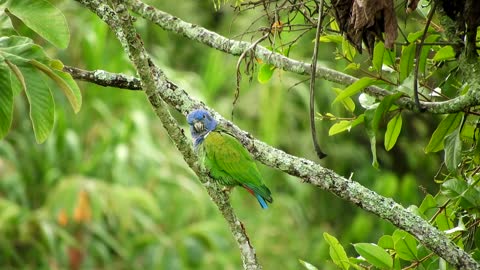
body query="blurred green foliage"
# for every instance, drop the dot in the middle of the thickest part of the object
(108, 190)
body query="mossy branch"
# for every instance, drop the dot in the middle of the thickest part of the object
(153, 81)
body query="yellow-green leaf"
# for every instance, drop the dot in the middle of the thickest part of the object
(445, 53)
(394, 127)
(337, 252)
(355, 88)
(375, 255)
(42, 106)
(65, 82)
(43, 18)
(446, 126)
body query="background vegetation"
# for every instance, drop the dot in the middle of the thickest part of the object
(108, 188)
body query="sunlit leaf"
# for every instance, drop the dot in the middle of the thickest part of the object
(386, 241)
(265, 73)
(307, 265)
(43, 18)
(394, 127)
(445, 53)
(337, 253)
(339, 127)
(347, 102)
(355, 88)
(377, 59)
(446, 126)
(375, 255)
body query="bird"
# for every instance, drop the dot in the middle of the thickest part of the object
(227, 161)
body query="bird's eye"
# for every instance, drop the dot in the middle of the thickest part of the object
(204, 116)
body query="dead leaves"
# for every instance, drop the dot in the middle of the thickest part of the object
(365, 20)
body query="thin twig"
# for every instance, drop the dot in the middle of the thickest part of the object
(313, 128)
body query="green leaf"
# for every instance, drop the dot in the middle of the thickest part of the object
(307, 265)
(347, 102)
(446, 126)
(375, 255)
(339, 127)
(6, 100)
(424, 53)
(456, 188)
(386, 242)
(42, 106)
(355, 88)
(332, 38)
(345, 125)
(371, 132)
(406, 61)
(65, 82)
(453, 150)
(427, 203)
(19, 50)
(348, 50)
(377, 60)
(405, 245)
(394, 127)
(337, 253)
(265, 73)
(445, 53)
(383, 108)
(43, 18)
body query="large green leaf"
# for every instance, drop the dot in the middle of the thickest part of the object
(337, 253)
(405, 245)
(42, 106)
(406, 61)
(355, 88)
(446, 126)
(265, 73)
(375, 255)
(377, 59)
(394, 127)
(445, 53)
(43, 18)
(19, 50)
(6, 100)
(65, 82)
(453, 150)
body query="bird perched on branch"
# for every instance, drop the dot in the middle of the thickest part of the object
(227, 160)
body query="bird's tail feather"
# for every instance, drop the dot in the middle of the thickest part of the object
(261, 193)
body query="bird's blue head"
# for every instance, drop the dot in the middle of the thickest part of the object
(201, 123)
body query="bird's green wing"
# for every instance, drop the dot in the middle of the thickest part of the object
(231, 163)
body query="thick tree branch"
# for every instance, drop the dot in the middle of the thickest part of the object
(153, 81)
(347, 189)
(233, 47)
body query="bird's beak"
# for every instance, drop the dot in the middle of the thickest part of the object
(198, 126)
